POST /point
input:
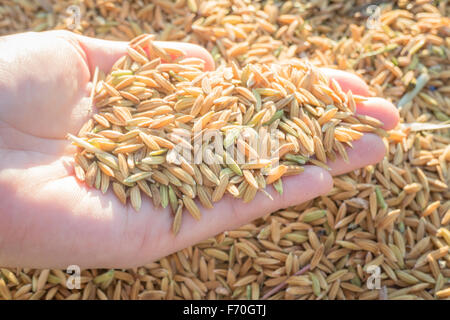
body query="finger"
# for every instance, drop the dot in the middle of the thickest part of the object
(101, 53)
(347, 81)
(368, 150)
(104, 53)
(230, 213)
(378, 108)
(191, 50)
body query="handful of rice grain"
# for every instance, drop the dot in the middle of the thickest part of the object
(176, 133)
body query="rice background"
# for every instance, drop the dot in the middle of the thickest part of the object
(394, 215)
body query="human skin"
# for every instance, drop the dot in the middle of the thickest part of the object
(48, 219)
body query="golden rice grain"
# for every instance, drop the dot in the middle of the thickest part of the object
(135, 198)
(119, 191)
(218, 254)
(4, 290)
(317, 256)
(443, 293)
(177, 220)
(191, 207)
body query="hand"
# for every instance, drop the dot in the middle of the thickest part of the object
(49, 219)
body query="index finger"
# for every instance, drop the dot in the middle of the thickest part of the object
(104, 53)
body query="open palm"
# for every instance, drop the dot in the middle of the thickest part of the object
(49, 219)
